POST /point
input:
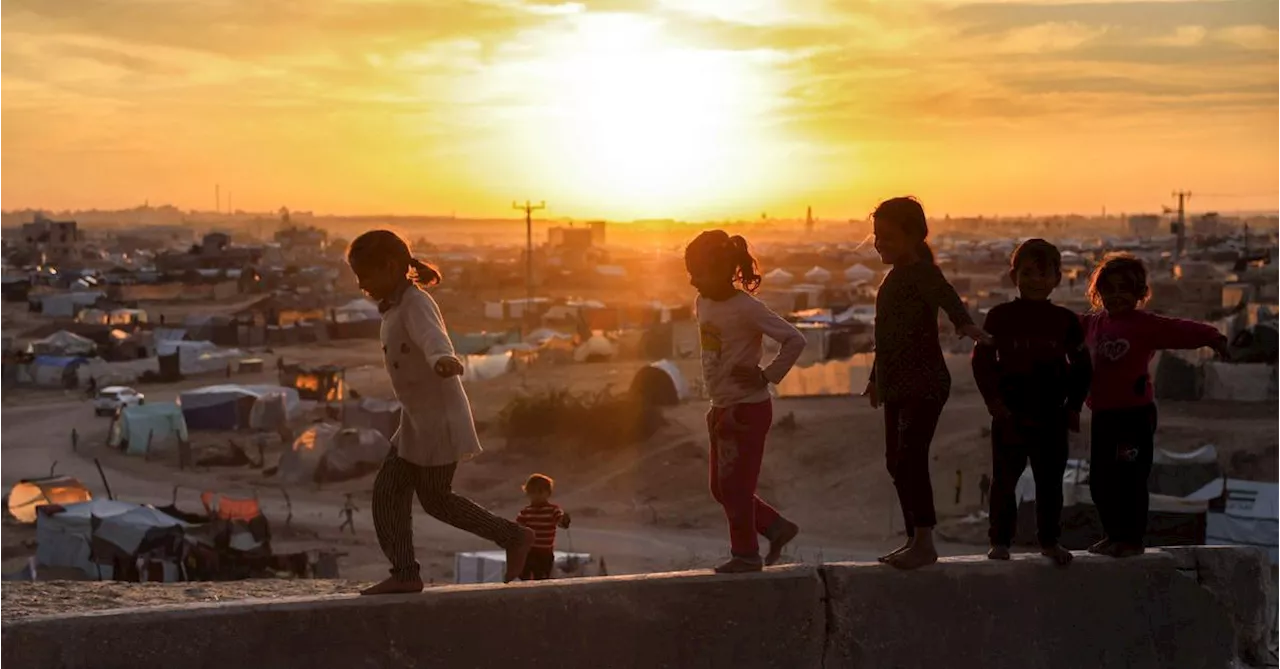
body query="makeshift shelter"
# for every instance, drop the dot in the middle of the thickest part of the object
(30, 494)
(1181, 474)
(357, 310)
(321, 383)
(98, 536)
(859, 272)
(328, 453)
(67, 305)
(826, 379)
(779, 276)
(660, 384)
(1241, 513)
(491, 566)
(229, 407)
(50, 371)
(198, 357)
(63, 343)
(597, 348)
(817, 275)
(373, 413)
(143, 427)
(1248, 382)
(484, 367)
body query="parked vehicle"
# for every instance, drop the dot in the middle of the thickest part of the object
(112, 398)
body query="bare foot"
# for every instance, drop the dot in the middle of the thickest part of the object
(919, 555)
(518, 553)
(1101, 547)
(998, 553)
(1060, 556)
(394, 586)
(895, 552)
(740, 565)
(1127, 550)
(787, 531)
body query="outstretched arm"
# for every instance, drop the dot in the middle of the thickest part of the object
(1178, 333)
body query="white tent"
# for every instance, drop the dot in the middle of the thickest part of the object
(660, 383)
(859, 272)
(62, 343)
(1253, 382)
(160, 424)
(326, 452)
(491, 566)
(779, 275)
(198, 357)
(65, 538)
(596, 348)
(1248, 517)
(359, 309)
(484, 367)
(817, 275)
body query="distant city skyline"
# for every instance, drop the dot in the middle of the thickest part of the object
(695, 110)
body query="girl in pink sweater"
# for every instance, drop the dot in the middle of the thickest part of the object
(1122, 340)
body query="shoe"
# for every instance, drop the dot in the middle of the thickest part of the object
(998, 552)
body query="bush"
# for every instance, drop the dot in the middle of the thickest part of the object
(584, 419)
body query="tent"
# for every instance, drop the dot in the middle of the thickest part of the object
(779, 276)
(491, 566)
(859, 272)
(1246, 382)
(1171, 521)
(65, 305)
(327, 453)
(1181, 474)
(142, 426)
(359, 309)
(817, 275)
(229, 406)
(660, 384)
(29, 494)
(595, 349)
(75, 536)
(63, 343)
(51, 371)
(373, 413)
(483, 367)
(1241, 513)
(825, 379)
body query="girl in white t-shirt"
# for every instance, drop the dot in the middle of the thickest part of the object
(436, 428)
(732, 324)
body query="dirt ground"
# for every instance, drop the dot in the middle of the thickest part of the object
(643, 507)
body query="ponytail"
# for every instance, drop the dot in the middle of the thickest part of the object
(745, 268)
(926, 252)
(423, 274)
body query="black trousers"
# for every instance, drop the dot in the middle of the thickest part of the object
(908, 432)
(538, 566)
(1014, 442)
(1123, 443)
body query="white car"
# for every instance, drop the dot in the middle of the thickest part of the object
(112, 398)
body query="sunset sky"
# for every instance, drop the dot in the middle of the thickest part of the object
(629, 109)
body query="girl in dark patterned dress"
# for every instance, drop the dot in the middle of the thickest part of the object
(909, 376)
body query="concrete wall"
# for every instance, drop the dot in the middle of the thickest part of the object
(1190, 608)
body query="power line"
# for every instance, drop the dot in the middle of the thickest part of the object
(528, 210)
(1182, 196)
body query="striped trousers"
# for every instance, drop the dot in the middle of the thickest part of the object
(397, 482)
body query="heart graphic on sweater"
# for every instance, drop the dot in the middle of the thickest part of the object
(1115, 349)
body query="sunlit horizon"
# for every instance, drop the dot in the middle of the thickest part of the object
(633, 109)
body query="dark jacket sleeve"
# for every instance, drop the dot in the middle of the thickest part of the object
(939, 293)
(986, 362)
(1080, 363)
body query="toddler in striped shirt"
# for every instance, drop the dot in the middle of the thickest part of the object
(542, 517)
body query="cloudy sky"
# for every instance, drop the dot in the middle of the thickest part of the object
(640, 108)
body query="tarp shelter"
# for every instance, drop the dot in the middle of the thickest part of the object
(161, 425)
(29, 494)
(859, 272)
(817, 275)
(373, 413)
(228, 407)
(356, 310)
(198, 357)
(1181, 474)
(328, 453)
(1246, 382)
(1241, 513)
(63, 343)
(66, 536)
(52, 371)
(660, 384)
(597, 348)
(66, 305)
(491, 566)
(825, 379)
(1171, 521)
(779, 276)
(484, 367)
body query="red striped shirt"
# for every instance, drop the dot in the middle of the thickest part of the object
(542, 520)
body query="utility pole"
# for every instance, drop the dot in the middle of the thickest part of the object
(528, 209)
(217, 198)
(1182, 196)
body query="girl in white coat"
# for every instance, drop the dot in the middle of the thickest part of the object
(436, 428)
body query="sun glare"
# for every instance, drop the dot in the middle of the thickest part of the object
(635, 119)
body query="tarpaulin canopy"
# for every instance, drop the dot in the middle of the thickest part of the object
(160, 425)
(28, 494)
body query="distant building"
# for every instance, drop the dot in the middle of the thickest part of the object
(1144, 225)
(571, 238)
(1208, 225)
(56, 241)
(598, 234)
(308, 239)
